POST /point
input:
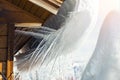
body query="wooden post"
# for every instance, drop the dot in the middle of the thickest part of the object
(3, 49)
(10, 70)
(10, 51)
(0, 70)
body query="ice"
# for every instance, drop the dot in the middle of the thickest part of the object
(68, 53)
(105, 61)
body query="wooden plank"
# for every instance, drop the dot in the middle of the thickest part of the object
(28, 25)
(22, 3)
(0, 66)
(6, 6)
(40, 12)
(45, 15)
(10, 70)
(10, 0)
(54, 3)
(10, 41)
(60, 1)
(16, 2)
(3, 29)
(34, 9)
(0, 70)
(13, 14)
(45, 5)
(3, 41)
(28, 6)
(3, 55)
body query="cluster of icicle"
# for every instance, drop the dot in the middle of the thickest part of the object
(68, 53)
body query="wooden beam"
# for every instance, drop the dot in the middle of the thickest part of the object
(28, 25)
(10, 41)
(54, 3)
(3, 41)
(60, 1)
(13, 14)
(10, 70)
(0, 66)
(10, 51)
(45, 5)
(0, 70)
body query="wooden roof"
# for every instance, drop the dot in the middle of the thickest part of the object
(12, 14)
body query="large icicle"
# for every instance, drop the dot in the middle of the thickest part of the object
(61, 57)
(105, 62)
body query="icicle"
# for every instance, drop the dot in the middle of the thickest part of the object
(105, 61)
(60, 57)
